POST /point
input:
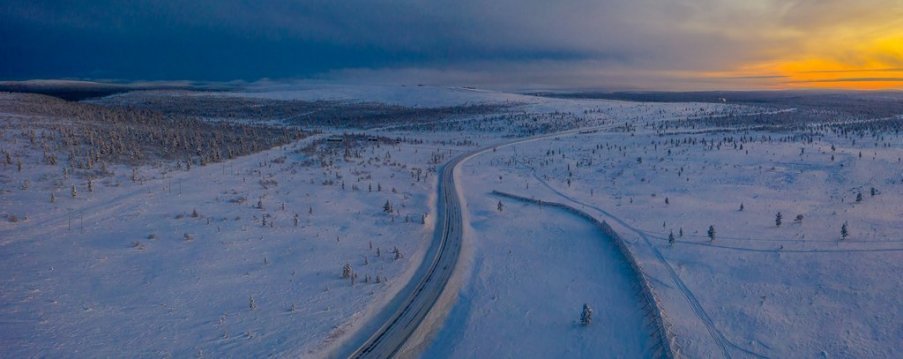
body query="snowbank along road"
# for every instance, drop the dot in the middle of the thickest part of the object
(421, 294)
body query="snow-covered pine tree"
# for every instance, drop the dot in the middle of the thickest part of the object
(586, 317)
(346, 271)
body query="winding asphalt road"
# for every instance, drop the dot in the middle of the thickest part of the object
(437, 267)
(421, 294)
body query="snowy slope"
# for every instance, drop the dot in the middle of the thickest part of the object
(124, 277)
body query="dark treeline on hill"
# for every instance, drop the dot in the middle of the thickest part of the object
(84, 90)
(878, 103)
(342, 114)
(84, 136)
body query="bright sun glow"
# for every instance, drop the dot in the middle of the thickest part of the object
(852, 64)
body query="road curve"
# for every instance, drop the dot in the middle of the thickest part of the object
(436, 270)
(421, 294)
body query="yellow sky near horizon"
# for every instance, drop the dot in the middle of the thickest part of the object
(857, 55)
(802, 44)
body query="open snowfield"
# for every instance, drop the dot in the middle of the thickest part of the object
(532, 270)
(762, 290)
(168, 264)
(244, 257)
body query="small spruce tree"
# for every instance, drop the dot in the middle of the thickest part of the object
(586, 317)
(346, 271)
(777, 219)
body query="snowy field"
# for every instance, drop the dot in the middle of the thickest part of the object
(169, 260)
(757, 289)
(244, 255)
(532, 270)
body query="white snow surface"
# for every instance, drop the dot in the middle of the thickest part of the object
(122, 280)
(761, 290)
(111, 271)
(532, 271)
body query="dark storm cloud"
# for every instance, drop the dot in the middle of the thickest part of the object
(228, 39)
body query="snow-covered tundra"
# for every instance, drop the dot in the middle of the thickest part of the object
(282, 221)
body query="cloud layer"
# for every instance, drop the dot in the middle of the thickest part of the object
(576, 43)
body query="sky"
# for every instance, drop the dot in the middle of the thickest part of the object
(535, 44)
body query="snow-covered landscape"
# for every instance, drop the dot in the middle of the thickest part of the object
(294, 220)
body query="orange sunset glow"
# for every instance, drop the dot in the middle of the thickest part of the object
(684, 45)
(845, 59)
